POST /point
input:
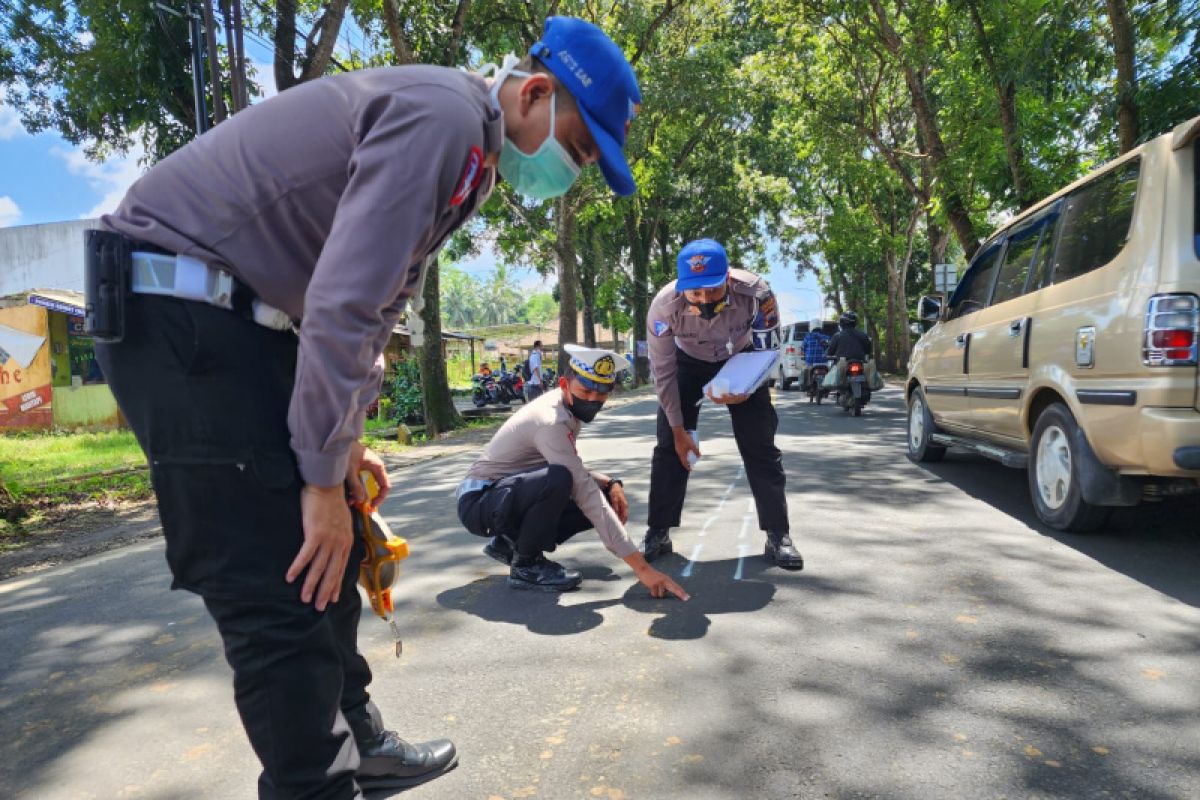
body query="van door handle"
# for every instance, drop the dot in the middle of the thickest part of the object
(960, 340)
(1014, 327)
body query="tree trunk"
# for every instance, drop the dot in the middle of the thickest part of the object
(214, 62)
(956, 206)
(236, 89)
(1006, 95)
(587, 285)
(285, 44)
(889, 361)
(440, 413)
(401, 49)
(1123, 49)
(564, 250)
(239, 40)
(641, 271)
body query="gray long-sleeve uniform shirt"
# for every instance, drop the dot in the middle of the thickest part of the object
(542, 433)
(326, 201)
(751, 311)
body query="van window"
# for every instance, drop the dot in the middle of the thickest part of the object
(1027, 247)
(976, 287)
(1096, 222)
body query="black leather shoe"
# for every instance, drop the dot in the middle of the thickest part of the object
(781, 550)
(657, 543)
(500, 548)
(387, 761)
(543, 575)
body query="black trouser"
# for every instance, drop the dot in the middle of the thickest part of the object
(206, 393)
(754, 425)
(534, 509)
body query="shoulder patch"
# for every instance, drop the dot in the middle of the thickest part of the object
(660, 328)
(471, 176)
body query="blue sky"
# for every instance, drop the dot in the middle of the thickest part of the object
(44, 179)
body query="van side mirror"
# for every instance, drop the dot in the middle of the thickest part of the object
(916, 329)
(929, 308)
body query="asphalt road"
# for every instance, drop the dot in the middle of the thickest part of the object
(938, 645)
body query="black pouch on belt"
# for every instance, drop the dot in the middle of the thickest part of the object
(107, 265)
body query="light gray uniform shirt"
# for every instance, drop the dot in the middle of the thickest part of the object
(749, 316)
(542, 433)
(326, 200)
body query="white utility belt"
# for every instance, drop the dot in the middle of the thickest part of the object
(187, 278)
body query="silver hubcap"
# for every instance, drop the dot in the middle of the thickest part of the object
(916, 425)
(1054, 467)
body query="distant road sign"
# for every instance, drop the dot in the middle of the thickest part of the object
(945, 278)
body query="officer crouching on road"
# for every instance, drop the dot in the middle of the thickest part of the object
(325, 203)
(696, 323)
(530, 490)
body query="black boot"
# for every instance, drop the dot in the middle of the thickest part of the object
(500, 547)
(541, 574)
(387, 761)
(780, 550)
(657, 543)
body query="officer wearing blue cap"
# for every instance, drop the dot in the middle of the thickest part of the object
(696, 323)
(530, 491)
(270, 260)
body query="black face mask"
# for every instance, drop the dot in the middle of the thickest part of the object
(709, 310)
(585, 410)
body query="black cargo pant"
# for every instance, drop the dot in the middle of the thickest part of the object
(206, 393)
(534, 509)
(754, 426)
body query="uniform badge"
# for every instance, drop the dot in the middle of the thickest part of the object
(472, 175)
(604, 367)
(660, 327)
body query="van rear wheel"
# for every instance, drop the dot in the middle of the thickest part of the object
(1053, 474)
(921, 448)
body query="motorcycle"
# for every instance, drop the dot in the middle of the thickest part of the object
(511, 387)
(485, 390)
(816, 377)
(855, 391)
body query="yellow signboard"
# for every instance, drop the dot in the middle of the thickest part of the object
(24, 368)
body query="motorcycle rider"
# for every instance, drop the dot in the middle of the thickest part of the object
(815, 344)
(849, 343)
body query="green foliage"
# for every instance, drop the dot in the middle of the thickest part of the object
(404, 393)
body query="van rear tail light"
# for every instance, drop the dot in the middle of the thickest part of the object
(1172, 331)
(791, 350)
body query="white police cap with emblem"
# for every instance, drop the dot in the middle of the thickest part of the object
(595, 367)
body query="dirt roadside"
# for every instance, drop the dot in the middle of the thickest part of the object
(90, 530)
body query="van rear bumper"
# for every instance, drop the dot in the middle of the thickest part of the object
(1170, 439)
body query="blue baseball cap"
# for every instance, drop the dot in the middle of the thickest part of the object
(702, 265)
(594, 70)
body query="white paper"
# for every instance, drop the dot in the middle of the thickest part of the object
(20, 345)
(745, 372)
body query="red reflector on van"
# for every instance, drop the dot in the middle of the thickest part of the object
(1173, 338)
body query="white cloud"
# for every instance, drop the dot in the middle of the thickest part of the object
(10, 123)
(110, 178)
(10, 212)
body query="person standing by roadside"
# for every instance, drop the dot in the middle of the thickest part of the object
(269, 261)
(534, 383)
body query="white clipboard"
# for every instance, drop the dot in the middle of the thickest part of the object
(746, 371)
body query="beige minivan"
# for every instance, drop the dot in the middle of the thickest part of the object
(1070, 345)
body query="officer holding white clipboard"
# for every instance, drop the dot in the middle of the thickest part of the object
(696, 324)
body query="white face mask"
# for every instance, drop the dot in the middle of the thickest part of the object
(547, 172)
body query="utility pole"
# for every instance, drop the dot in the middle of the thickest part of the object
(197, 42)
(197, 37)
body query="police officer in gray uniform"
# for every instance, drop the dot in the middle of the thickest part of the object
(270, 261)
(696, 323)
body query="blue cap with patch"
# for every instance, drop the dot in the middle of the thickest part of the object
(594, 70)
(702, 265)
